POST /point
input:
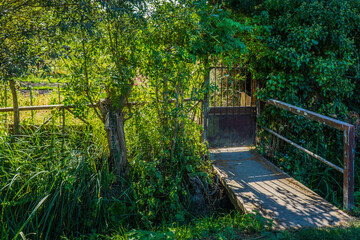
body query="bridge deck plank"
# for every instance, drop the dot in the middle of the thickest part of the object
(254, 183)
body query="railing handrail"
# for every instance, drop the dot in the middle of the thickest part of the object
(332, 122)
(349, 146)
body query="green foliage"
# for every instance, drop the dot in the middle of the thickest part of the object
(101, 54)
(310, 50)
(219, 36)
(25, 27)
(335, 233)
(229, 226)
(305, 53)
(236, 226)
(245, 7)
(162, 168)
(53, 184)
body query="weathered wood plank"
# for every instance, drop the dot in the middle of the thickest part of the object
(259, 185)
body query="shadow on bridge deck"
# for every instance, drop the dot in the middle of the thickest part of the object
(253, 183)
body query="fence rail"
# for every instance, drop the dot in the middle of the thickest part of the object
(349, 146)
(41, 107)
(62, 106)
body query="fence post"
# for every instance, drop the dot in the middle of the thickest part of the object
(63, 112)
(348, 178)
(15, 106)
(31, 103)
(6, 97)
(59, 99)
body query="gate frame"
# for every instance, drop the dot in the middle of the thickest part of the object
(206, 102)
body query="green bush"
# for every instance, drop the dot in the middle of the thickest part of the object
(306, 53)
(162, 169)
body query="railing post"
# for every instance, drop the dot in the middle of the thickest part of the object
(206, 106)
(259, 109)
(348, 179)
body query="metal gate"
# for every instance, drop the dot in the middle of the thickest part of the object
(230, 119)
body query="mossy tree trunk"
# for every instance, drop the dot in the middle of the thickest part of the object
(114, 126)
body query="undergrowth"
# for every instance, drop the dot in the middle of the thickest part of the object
(56, 182)
(52, 183)
(233, 225)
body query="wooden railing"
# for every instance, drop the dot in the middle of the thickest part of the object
(41, 107)
(349, 146)
(62, 106)
(96, 105)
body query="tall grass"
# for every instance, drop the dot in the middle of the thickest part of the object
(54, 184)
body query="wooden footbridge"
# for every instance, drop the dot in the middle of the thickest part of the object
(252, 182)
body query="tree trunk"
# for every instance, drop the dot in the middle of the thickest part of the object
(114, 127)
(15, 107)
